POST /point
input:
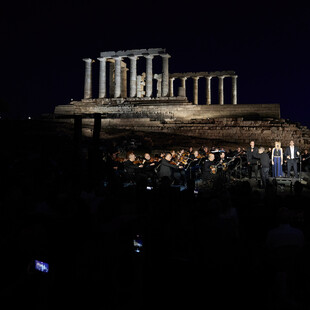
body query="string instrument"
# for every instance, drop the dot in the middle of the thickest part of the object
(118, 159)
(138, 161)
(180, 155)
(225, 165)
(176, 163)
(214, 167)
(150, 162)
(183, 160)
(200, 158)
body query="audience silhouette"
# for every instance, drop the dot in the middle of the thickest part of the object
(224, 245)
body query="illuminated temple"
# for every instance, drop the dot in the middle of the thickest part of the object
(159, 101)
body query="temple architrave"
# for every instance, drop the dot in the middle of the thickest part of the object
(158, 101)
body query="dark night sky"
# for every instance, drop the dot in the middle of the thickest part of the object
(266, 44)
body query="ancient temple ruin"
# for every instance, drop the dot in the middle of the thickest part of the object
(147, 100)
(141, 85)
(124, 90)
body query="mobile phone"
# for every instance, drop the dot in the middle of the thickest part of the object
(41, 266)
(149, 188)
(137, 244)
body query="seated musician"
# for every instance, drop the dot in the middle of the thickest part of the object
(221, 160)
(194, 164)
(174, 156)
(205, 151)
(149, 167)
(190, 150)
(238, 152)
(194, 155)
(168, 169)
(133, 171)
(208, 174)
(181, 153)
(114, 165)
(223, 166)
(216, 152)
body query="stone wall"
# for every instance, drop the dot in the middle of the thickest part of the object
(236, 124)
(224, 131)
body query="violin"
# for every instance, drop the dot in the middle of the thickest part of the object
(154, 160)
(118, 159)
(138, 161)
(184, 160)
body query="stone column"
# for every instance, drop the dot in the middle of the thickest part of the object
(208, 90)
(133, 76)
(139, 93)
(165, 81)
(117, 89)
(183, 84)
(124, 81)
(149, 75)
(195, 89)
(158, 77)
(111, 77)
(141, 85)
(183, 81)
(171, 87)
(221, 89)
(234, 89)
(88, 81)
(102, 77)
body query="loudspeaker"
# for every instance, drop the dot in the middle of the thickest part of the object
(283, 181)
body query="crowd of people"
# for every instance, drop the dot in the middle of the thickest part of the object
(122, 232)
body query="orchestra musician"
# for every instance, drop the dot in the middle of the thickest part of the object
(205, 151)
(115, 165)
(182, 153)
(216, 151)
(222, 165)
(190, 150)
(207, 173)
(238, 152)
(174, 156)
(149, 165)
(170, 169)
(133, 169)
(194, 164)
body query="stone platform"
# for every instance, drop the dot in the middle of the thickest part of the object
(217, 131)
(177, 108)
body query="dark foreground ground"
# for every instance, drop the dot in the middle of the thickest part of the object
(205, 249)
